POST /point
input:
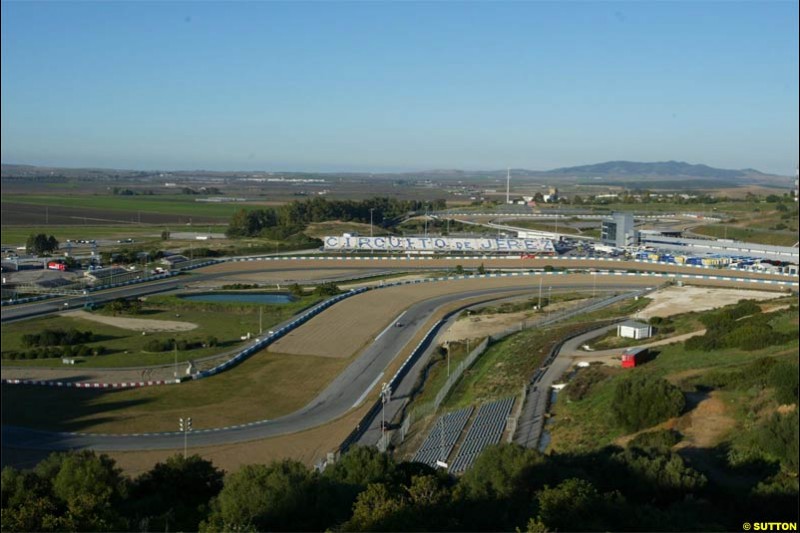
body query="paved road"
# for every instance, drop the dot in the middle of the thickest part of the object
(347, 391)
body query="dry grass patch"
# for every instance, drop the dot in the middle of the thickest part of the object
(134, 324)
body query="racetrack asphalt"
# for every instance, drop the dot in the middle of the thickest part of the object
(345, 392)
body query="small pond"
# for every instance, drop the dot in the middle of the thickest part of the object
(240, 297)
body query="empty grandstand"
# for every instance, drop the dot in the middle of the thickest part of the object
(443, 437)
(487, 429)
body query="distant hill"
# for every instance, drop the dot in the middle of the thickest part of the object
(676, 169)
(625, 173)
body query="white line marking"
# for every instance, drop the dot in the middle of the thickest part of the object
(361, 398)
(392, 323)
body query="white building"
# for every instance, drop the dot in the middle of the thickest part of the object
(634, 330)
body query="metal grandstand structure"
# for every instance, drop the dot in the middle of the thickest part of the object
(486, 429)
(439, 444)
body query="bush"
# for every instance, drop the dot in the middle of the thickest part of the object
(57, 337)
(660, 441)
(327, 289)
(778, 438)
(784, 378)
(583, 383)
(643, 401)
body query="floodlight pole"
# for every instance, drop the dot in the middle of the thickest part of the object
(386, 392)
(185, 425)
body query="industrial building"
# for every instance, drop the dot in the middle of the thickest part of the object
(634, 330)
(618, 231)
(719, 246)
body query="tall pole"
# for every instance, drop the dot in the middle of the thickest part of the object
(508, 186)
(371, 209)
(176, 360)
(540, 293)
(260, 322)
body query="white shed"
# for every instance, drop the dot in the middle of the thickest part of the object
(634, 330)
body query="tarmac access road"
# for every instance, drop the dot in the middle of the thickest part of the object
(348, 390)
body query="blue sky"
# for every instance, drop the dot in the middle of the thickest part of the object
(398, 86)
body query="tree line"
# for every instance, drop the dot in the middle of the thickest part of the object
(642, 487)
(288, 219)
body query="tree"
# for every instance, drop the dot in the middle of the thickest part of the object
(175, 495)
(279, 496)
(574, 505)
(481, 269)
(296, 290)
(165, 235)
(41, 244)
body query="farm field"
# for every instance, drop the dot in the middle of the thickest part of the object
(162, 203)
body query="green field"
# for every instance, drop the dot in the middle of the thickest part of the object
(167, 204)
(227, 322)
(763, 236)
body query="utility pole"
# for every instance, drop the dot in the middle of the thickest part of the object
(260, 317)
(176, 359)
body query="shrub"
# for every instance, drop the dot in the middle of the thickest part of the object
(583, 383)
(784, 378)
(660, 441)
(643, 401)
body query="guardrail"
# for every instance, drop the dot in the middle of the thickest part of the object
(87, 290)
(409, 257)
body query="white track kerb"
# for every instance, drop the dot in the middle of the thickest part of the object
(261, 343)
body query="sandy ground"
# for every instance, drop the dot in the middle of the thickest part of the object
(444, 264)
(705, 425)
(133, 324)
(479, 326)
(676, 300)
(364, 316)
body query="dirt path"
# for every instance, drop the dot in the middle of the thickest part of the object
(601, 354)
(133, 324)
(705, 425)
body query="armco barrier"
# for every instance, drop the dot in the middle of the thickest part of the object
(90, 384)
(88, 290)
(277, 334)
(456, 258)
